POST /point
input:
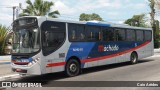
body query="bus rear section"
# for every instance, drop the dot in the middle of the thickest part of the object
(104, 44)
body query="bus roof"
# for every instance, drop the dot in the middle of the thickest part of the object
(96, 23)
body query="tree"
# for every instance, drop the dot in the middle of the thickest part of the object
(157, 3)
(152, 13)
(154, 23)
(137, 20)
(4, 31)
(89, 17)
(157, 35)
(39, 8)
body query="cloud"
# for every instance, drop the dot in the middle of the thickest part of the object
(112, 9)
(6, 13)
(62, 8)
(138, 6)
(86, 5)
(113, 14)
(5, 19)
(118, 21)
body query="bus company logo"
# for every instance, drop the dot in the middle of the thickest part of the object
(6, 84)
(77, 49)
(103, 48)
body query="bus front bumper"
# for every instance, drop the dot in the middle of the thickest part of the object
(25, 69)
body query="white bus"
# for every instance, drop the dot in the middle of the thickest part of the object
(42, 45)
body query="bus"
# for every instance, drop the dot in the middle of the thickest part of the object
(44, 45)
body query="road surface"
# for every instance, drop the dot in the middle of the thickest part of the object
(146, 70)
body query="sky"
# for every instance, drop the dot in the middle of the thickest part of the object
(116, 11)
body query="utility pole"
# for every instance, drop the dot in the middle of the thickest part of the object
(14, 10)
(14, 7)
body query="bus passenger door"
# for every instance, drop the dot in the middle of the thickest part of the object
(48, 68)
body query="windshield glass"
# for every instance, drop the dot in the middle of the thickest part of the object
(26, 40)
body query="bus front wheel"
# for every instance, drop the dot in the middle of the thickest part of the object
(72, 68)
(134, 58)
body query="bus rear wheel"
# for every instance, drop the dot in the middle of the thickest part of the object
(72, 68)
(134, 58)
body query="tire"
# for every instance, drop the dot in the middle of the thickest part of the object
(72, 68)
(133, 58)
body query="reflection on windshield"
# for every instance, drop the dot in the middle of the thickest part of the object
(26, 41)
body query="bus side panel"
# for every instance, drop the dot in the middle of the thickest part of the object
(102, 53)
(122, 55)
(60, 57)
(55, 62)
(141, 52)
(81, 50)
(107, 61)
(124, 52)
(149, 49)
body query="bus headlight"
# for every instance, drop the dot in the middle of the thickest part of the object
(33, 61)
(30, 64)
(36, 60)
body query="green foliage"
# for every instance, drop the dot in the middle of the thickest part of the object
(157, 4)
(137, 20)
(39, 8)
(154, 23)
(156, 34)
(157, 26)
(4, 31)
(89, 17)
(156, 42)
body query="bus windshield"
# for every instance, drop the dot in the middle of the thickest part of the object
(26, 39)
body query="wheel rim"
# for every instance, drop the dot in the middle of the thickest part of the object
(134, 58)
(73, 68)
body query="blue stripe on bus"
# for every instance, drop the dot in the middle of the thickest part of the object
(75, 49)
(83, 61)
(98, 24)
(86, 50)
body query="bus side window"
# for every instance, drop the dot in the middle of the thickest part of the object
(76, 32)
(82, 36)
(73, 34)
(53, 36)
(131, 35)
(93, 33)
(108, 34)
(148, 35)
(139, 35)
(120, 35)
(100, 36)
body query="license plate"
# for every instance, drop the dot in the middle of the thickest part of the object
(24, 60)
(18, 70)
